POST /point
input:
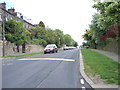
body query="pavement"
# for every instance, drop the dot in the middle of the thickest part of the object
(94, 85)
(111, 55)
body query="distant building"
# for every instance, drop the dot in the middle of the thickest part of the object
(7, 15)
(11, 14)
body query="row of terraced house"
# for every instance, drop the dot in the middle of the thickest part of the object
(7, 15)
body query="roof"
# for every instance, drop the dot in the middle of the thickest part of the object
(15, 16)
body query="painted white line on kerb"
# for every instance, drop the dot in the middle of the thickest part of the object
(83, 88)
(82, 81)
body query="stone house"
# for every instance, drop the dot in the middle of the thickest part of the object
(7, 15)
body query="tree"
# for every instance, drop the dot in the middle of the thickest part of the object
(38, 35)
(75, 44)
(41, 24)
(14, 32)
(109, 13)
(27, 36)
(38, 32)
(68, 39)
(59, 37)
(104, 24)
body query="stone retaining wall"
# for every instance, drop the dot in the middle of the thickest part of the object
(34, 48)
(111, 47)
(11, 49)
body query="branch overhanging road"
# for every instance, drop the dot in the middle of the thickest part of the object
(58, 70)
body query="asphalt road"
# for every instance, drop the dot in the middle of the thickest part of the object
(33, 72)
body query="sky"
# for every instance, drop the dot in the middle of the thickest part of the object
(71, 16)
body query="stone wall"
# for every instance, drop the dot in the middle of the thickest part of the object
(11, 49)
(34, 48)
(111, 47)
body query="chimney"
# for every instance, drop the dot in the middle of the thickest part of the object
(12, 10)
(3, 5)
(21, 16)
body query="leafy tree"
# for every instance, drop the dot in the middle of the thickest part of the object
(85, 44)
(109, 13)
(38, 32)
(51, 36)
(41, 24)
(68, 39)
(27, 36)
(14, 32)
(59, 37)
(75, 44)
(104, 24)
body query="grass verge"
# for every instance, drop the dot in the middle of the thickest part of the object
(22, 55)
(98, 64)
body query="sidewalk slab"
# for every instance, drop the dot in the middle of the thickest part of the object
(111, 55)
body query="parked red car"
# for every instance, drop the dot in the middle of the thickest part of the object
(50, 48)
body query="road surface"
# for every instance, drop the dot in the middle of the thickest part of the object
(55, 70)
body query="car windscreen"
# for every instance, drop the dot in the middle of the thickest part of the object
(49, 46)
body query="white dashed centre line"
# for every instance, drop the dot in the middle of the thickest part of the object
(82, 81)
(83, 88)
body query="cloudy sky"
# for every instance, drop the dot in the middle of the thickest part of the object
(71, 16)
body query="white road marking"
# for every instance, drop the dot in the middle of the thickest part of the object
(47, 59)
(82, 81)
(83, 88)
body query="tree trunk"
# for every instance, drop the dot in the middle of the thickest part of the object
(18, 48)
(95, 46)
(23, 48)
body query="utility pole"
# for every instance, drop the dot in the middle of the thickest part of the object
(3, 31)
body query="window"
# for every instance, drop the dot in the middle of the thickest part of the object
(6, 19)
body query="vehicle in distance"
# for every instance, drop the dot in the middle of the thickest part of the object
(68, 48)
(50, 48)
